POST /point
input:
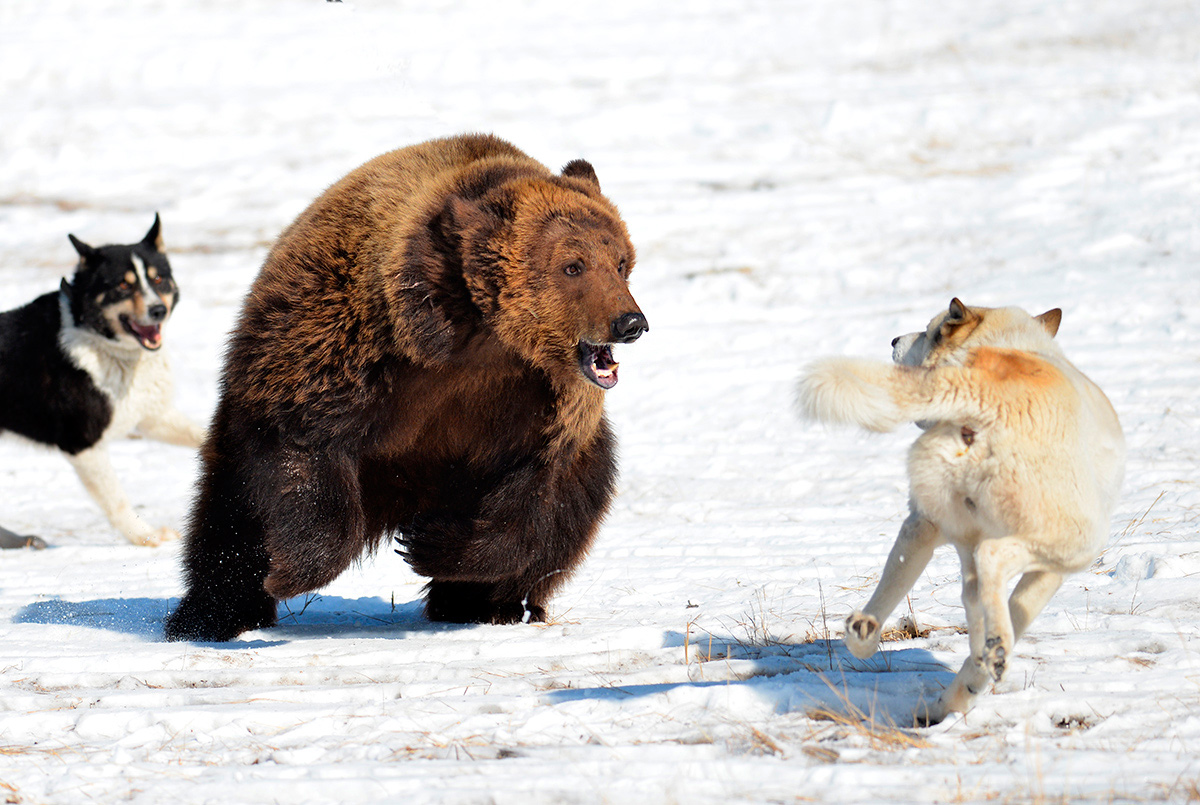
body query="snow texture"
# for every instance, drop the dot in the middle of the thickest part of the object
(801, 179)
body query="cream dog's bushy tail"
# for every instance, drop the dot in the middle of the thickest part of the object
(876, 396)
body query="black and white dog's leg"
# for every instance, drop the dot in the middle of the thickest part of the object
(10, 540)
(96, 472)
(172, 426)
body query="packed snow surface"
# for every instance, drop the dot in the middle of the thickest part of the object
(800, 179)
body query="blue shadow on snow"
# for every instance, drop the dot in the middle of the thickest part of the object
(303, 617)
(820, 678)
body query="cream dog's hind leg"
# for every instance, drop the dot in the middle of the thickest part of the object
(909, 556)
(1032, 593)
(971, 678)
(1000, 560)
(993, 625)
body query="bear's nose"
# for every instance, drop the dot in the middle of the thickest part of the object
(628, 328)
(157, 312)
(895, 341)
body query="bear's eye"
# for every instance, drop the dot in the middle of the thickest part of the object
(621, 267)
(573, 269)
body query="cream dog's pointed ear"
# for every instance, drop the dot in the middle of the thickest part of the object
(958, 311)
(1050, 320)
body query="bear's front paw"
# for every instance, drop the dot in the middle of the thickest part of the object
(862, 634)
(442, 551)
(478, 602)
(429, 557)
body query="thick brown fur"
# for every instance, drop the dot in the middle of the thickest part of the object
(408, 361)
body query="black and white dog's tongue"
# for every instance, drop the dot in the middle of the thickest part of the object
(148, 335)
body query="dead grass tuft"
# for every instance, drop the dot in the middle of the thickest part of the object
(766, 744)
(1099, 567)
(824, 754)
(879, 729)
(906, 628)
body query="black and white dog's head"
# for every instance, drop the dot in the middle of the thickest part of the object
(123, 293)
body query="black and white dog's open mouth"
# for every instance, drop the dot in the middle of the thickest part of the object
(597, 364)
(148, 335)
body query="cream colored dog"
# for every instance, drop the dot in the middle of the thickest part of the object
(1018, 468)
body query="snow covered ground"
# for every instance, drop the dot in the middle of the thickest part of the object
(800, 179)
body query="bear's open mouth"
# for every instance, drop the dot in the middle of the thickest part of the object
(148, 335)
(597, 364)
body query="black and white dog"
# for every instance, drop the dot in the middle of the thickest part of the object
(82, 366)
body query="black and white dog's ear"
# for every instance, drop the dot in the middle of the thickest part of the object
(85, 251)
(153, 238)
(68, 294)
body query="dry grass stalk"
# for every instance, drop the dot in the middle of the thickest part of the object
(822, 753)
(882, 733)
(766, 741)
(1099, 567)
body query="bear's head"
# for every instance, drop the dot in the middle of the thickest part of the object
(546, 260)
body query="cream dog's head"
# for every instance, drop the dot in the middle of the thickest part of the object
(954, 332)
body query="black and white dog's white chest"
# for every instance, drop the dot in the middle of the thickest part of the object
(133, 383)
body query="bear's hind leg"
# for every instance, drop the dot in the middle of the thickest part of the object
(204, 617)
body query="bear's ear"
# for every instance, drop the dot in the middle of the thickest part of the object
(581, 169)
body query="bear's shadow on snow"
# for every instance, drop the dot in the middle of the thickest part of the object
(820, 678)
(299, 618)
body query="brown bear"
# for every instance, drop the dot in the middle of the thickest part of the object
(424, 353)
